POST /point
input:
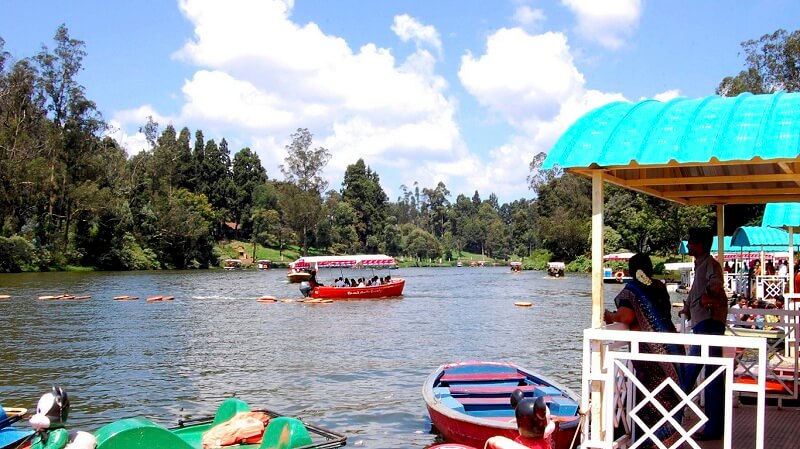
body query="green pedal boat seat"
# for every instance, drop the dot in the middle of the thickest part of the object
(137, 433)
(285, 433)
(228, 409)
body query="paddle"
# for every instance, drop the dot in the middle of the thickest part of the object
(7, 421)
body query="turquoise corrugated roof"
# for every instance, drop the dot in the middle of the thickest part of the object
(685, 130)
(779, 215)
(729, 247)
(760, 236)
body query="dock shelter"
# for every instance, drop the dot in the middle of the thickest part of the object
(705, 151)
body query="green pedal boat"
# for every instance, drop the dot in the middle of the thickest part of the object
(280, 432)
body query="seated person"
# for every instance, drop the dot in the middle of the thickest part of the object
(534, 425)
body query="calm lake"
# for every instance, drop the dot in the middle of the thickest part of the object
(356, 367)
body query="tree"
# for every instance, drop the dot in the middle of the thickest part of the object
(248, 175)
(302, 210)
(302, 205)
(304, 165)
(362, 190)
(435, 207)
(772, 64)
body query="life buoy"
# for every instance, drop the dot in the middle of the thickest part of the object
(619, 275)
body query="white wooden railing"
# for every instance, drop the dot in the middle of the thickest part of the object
(612, 385)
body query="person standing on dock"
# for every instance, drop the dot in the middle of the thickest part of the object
(706, 307)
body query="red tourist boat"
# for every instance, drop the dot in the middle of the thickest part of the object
(470, 402)
(385, 287)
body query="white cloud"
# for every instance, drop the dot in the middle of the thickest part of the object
(608, 22)
(522, 76)
(261, 76)
(133, 143)
(529, 17)
(667, 95)
(532, 81)
(407, 28)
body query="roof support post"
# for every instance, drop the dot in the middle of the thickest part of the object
(597, 299)
(790, 229)
(721, 234)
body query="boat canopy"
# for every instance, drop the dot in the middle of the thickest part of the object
(354, 261)
(763, 237)
(516, 264)
(618, 256)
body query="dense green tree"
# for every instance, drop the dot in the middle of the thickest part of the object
(301, 210)
(434, 208)
(362, 190)
(248, 175)
(419, 243)
(772, 64)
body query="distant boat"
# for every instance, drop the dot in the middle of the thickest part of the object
(470, 402)
(459, 264)
(232, 264)
(263, 264)
(516, 267)
(296, 275)
(556, 269)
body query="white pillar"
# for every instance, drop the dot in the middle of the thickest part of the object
(597, 300)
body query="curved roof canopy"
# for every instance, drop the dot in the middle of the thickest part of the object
(713, 150)
(782, 215)
(762, 237)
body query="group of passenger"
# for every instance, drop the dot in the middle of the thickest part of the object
(739, 315)
(361, 282)
(644, 305)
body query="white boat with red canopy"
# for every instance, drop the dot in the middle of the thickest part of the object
(386, 287)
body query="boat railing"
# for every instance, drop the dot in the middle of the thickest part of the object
(770, 286)
(611, 391)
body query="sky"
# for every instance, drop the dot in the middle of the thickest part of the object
(463, 92)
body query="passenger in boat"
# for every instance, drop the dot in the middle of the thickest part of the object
(706, 307)
(736, 310)
(644, 305)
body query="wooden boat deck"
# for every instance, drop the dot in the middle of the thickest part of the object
(781, 429)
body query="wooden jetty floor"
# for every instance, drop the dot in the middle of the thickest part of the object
(781, 429)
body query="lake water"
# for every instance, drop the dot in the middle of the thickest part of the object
(356, 367)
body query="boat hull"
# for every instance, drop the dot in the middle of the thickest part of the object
(473, 404)
(393, 289)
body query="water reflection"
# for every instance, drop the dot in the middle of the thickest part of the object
(353, 366)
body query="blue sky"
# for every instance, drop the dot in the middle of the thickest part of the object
(460, 91)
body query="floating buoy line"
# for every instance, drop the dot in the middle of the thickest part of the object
(63, 297)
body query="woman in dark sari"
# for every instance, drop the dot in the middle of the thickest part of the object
(644, 305)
